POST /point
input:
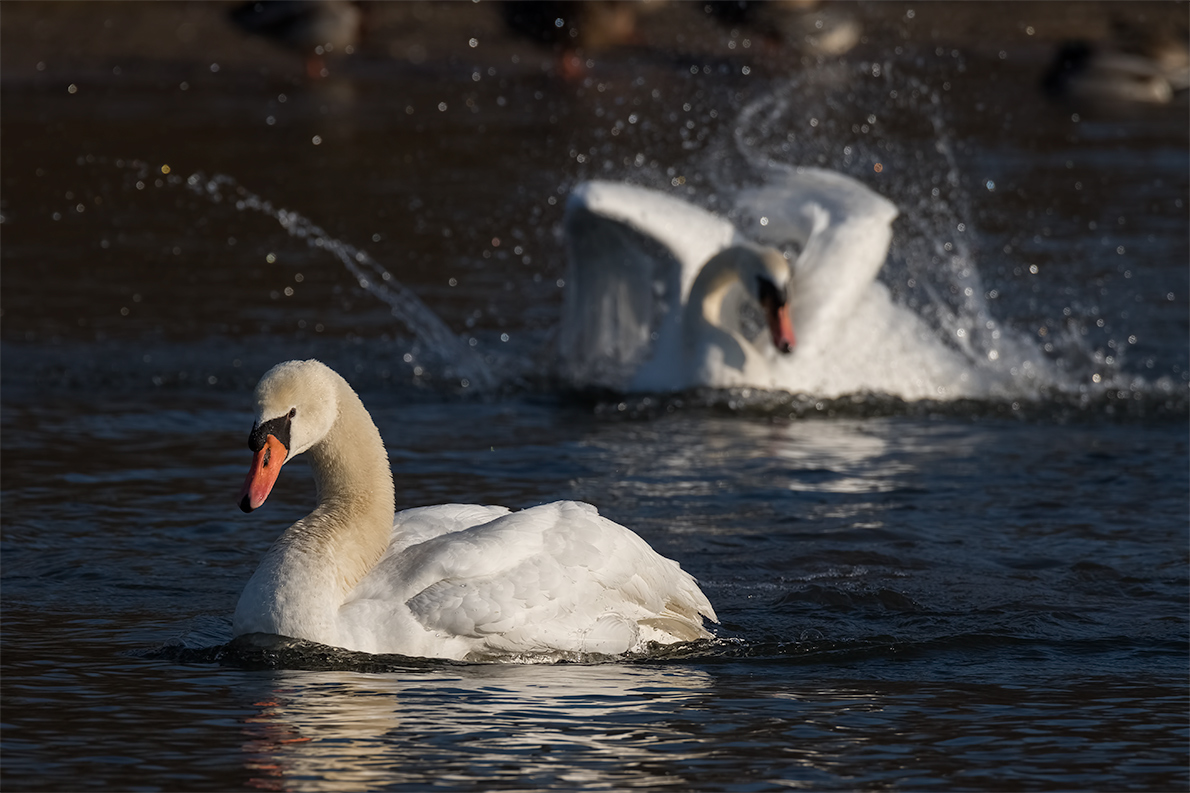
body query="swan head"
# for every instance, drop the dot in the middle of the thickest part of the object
(772, 287)
(296, 406)
(765, 275)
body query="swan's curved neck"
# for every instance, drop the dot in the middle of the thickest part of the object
(704, 306)
(307, 574)
(350, 527)
(350, 464)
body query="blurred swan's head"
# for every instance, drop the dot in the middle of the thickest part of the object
(765, 275)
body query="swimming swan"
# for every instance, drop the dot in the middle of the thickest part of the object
(457, 581)
(641, 315)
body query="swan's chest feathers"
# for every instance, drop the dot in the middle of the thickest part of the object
(292, 593)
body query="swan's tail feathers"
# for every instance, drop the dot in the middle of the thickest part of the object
(691, 607)
(686, 607)
(675, 628)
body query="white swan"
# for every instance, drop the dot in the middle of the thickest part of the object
(455, 581)
(634, 318)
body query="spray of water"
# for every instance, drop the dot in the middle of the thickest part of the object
(460, 360)
(890, 121)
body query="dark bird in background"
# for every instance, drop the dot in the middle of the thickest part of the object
(802, 24)
(310, 28)
(1133, 65)
(574, 30)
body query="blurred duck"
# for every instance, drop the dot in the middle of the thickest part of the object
(1133, 66)
(575, 30)
(801, 24)
(311, 28)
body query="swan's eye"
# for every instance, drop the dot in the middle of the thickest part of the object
(769, 293)
(292, 412)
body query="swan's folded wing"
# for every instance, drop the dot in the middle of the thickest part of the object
(555, 577)
(842, 230)
(416, 525)
(633, 254)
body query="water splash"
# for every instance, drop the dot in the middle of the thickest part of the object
(460, 360)
(894, 124)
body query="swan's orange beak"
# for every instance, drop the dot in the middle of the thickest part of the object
(266, 465)
(780, 325)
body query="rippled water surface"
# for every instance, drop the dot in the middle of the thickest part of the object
(980, 595)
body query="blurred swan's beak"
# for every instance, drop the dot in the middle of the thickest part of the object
(780, 323)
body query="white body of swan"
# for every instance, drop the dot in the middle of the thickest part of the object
(454, 581)
(634, 319)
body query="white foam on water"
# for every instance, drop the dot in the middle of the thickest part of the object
(932, 269)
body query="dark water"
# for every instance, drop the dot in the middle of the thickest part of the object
(989, 595)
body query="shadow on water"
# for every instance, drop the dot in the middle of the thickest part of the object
(1046, 406)
(261, 651)
(254, 652)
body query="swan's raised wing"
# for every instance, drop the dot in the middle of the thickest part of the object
(554, 577)
(842, 230)
(633, 254)
(689, 233)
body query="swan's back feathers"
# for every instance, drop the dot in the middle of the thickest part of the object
(416, 525)
(558, 577)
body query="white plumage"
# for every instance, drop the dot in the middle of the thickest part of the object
(633, 319)
(455, 581)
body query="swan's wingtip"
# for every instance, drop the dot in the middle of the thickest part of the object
(592, 194)
(581, 506)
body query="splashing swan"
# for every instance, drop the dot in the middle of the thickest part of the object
(636, 319)
(457, 581)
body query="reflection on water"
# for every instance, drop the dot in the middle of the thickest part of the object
(617, 726)
(843, 454)
(583, 724)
